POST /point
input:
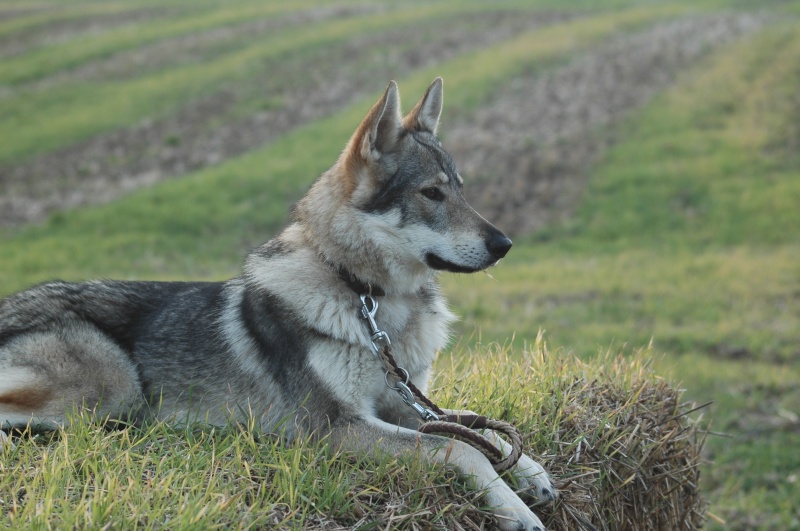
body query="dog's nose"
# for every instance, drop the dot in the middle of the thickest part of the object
(498, 245)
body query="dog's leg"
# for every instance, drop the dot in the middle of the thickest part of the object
(44, 376)
(532, 479)
(375, 435)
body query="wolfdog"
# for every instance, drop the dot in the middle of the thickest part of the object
(284, 340)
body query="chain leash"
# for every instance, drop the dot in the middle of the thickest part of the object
(434, 419)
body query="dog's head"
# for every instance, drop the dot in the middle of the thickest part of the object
(403, 179)
(398, 195)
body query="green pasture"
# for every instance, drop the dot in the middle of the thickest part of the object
(248, 197)
(687, 239)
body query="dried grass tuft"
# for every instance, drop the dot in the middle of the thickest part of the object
(629, 458)
(619, 442)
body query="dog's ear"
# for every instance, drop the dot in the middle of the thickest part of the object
(380, 130)
(425, 114)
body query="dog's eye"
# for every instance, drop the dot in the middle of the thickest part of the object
(433, 193)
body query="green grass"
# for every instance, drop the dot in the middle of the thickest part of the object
(238, 197)
(686, 237)
(712, 164)
(180, 479)
(682, 300)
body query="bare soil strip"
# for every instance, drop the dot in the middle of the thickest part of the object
(69, 27)
(193, 47)
(527, 154)
(208, 131)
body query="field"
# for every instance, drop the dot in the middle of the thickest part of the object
(645, 157)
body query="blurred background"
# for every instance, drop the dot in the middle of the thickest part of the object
(642, 154)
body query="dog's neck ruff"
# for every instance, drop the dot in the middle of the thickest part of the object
(357, 285)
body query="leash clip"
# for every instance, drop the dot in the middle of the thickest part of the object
(380, 339)
(408, 397)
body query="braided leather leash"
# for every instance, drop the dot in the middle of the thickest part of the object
(435, 420)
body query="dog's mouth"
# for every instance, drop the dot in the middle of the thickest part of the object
(439, 263)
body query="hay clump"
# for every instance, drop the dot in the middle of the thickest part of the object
(619, 442)
(636, 455)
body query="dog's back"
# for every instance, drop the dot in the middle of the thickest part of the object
(97, 344)
(131, 350)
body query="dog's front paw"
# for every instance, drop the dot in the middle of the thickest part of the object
(518, 520)
(533, 481)
(511, 512)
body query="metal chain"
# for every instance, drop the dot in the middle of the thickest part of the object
(381, 346)
(435, 420)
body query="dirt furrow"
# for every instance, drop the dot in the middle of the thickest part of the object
(64, 29)
(527, 153)
(205, 132)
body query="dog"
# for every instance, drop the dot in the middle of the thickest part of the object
(283, 343)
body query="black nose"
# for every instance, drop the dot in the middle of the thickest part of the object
(498, 245)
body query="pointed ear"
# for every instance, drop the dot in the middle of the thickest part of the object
(425, 114)
(380, 130)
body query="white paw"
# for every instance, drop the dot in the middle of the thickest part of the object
(521, 519)
(511, 512)
(533, 481)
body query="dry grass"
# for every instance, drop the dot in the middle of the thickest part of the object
(617, 438)
(640, 470)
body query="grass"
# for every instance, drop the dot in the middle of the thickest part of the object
(183, 478)
(685, 240)
(237, 197)
(685, 300)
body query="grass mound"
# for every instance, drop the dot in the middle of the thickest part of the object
(632, 455)
(615, 437)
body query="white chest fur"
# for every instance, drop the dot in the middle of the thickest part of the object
(341, 354)
(416, 332)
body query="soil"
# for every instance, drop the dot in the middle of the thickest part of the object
(209, 130)
(526, 153)
(529, 151)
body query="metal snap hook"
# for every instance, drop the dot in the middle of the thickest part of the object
(406, 376)
(380, 339)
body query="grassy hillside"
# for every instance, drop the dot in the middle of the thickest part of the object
(184, 130)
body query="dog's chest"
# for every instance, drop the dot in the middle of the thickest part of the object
(416, 331)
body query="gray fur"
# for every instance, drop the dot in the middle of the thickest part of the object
(282, 343)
